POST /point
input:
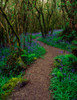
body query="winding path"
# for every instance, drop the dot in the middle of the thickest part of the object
(38, 74)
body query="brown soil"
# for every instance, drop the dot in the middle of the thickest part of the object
(38, 74)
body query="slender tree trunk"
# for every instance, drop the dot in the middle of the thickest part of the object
(5, 16)
(8, 38)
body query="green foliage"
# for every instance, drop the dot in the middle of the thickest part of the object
(65, 60)
(64, 82)
(28, 58)
(12, 64)
(74, 42)
(41, 51)
(70, 8)
(14, 68)
(69, 36)
(4, 52)
(59, 74)
(57, 42)
(35, 36)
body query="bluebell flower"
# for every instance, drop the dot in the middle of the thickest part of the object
(61, 63)
(64, 73)
(60, 68)
(73, 70)
(61, 51)
(3, 57)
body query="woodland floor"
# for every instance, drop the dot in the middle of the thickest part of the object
(38, 74)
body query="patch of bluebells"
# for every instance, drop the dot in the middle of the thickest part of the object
(33, 48)
(61, 68)
(49, 32)
(53, 35)
(73, 70)
(2, 57)
(50, 38)
(4, 53)
(36, 33)
(67, 42)
(61, 52)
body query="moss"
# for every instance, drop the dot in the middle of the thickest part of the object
(5, 94)
(10, 85)
(35, 58)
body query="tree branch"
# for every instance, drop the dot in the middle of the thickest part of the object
(5, 16)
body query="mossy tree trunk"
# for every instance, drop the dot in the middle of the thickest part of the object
(14, 32)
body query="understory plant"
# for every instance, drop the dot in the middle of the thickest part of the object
(13, 64)
(56, 41)
(10, 85)
(64, 81)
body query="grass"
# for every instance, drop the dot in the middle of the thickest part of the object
(64, 82)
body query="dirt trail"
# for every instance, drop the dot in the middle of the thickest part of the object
(38, 74)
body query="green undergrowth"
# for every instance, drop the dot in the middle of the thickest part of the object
(63, 84)
(58, 43)
(35, 48)
(35, 36)
(12, 64)
(9, 86)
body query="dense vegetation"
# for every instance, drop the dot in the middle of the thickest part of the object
(21, 21)
(64, 81)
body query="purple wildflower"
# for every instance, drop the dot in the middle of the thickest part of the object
(60, 68)
(61, 51)
(61, 63)
(3, 56)
(73, 70)
(64, 73)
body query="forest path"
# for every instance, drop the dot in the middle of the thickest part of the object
(38, 74)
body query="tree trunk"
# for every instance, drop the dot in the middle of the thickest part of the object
(5, 16)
